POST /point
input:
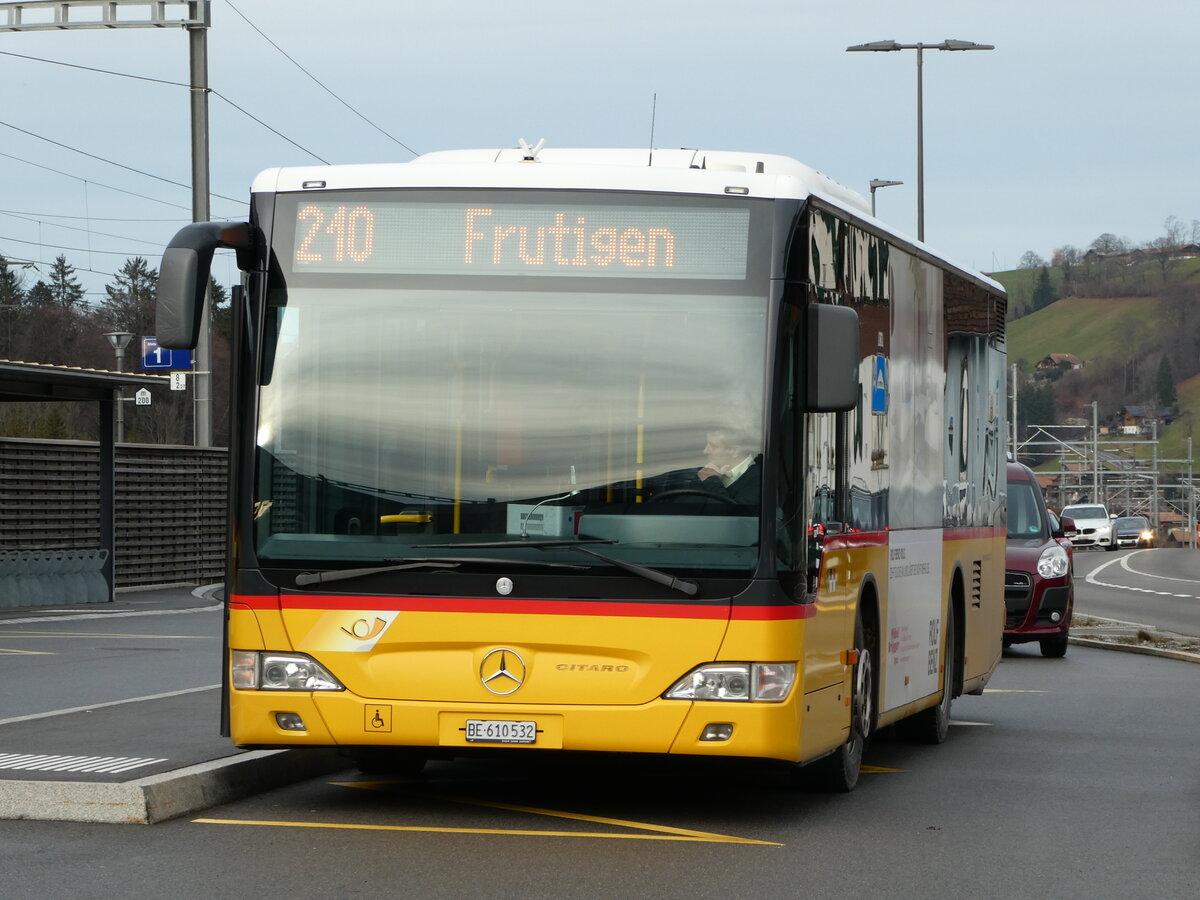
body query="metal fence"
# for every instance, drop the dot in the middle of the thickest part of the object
(169, 511)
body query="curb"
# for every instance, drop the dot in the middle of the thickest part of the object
(1135, 648)
(169, 795)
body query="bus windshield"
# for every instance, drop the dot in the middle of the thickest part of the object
(399, 414)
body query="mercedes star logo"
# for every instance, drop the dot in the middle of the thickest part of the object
(502, 671)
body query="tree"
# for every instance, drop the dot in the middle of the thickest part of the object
(12, 298)
(1030, 260)
(1164, 246)
(219, 299)
(39, 296)
(130, 303)
(1065, 256)
(1179, 334)
(1110, 243)
(65, 289)
(1164, 384)
(1044, 293)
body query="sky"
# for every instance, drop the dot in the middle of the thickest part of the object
(1082, 121)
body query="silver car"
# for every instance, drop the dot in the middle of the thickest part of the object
(1093, 525)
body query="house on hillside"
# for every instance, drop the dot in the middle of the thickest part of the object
(1143, 254)
(1142, 419)
(1057, 361)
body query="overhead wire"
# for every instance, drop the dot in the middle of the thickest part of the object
(133, 169)
(46, 215)
(143, 173)
(122, 237)
(110, 187)
(180, 84)
(73, 249)
(317, 81)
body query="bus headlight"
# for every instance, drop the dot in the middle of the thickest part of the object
(1053, 563)
(769, 682)
(257, 671)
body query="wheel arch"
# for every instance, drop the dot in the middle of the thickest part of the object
(958, 604)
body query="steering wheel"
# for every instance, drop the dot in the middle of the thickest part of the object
(691, 492)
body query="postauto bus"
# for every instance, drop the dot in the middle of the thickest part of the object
(471, 506)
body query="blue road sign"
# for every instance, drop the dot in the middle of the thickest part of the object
(879, 387)
(156, 357)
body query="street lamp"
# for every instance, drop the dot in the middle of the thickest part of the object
(889, 46)
(876, 184)
(119, 341)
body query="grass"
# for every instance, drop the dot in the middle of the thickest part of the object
(1086, 327)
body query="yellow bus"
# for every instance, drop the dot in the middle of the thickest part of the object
(672, 452)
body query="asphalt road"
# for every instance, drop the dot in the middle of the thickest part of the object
(1068, 778)
(1159, 587)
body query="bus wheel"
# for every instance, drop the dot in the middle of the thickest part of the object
(838, 772)
(930, 726)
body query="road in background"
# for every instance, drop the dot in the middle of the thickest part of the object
(1159, 588)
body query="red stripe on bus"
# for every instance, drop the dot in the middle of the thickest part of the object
(611, 608)
(857, 540)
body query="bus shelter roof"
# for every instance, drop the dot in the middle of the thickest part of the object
(24, 381)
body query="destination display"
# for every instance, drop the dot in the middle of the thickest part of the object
(526, 239)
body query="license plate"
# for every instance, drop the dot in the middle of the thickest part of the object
(501, 731)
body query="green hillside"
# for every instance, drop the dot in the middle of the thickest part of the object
(1088, 328)
(1094, 330)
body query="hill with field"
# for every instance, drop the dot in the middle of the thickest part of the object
(1128, 345)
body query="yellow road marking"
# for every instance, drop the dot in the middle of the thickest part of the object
(668, 832)
(881, 770)
(27, 652)
(1011, 691)
(603, 820)
(700, 837)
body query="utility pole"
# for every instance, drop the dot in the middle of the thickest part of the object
(65, 15)
(1014, 412)
(198, 53)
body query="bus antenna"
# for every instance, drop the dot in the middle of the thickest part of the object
(653, 111)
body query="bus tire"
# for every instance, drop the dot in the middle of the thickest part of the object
(932, 725)
(838, 773)
(1053, 648)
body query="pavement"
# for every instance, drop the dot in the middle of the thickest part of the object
(189, 766)
(90, 776)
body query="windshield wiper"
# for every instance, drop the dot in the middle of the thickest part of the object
(304, 579)
(683, 585)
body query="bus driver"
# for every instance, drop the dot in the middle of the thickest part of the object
(731, 470)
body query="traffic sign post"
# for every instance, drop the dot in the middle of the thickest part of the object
(156, 357)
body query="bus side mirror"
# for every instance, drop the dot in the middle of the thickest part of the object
(832, 358)
(183, 279)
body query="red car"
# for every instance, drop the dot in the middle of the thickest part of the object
(1039, 589)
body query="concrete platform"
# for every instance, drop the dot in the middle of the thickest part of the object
(140, 760)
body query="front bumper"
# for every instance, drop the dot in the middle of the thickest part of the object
(760, 730)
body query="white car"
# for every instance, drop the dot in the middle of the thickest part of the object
(1093, 525)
